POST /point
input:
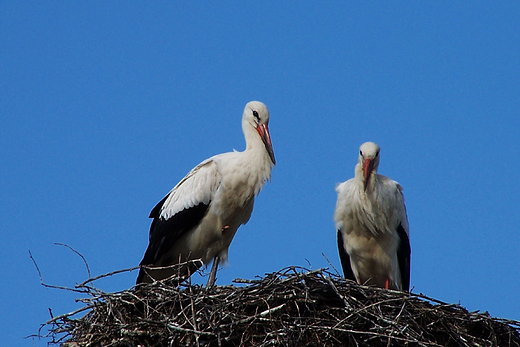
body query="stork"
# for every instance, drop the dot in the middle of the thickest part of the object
(372, 226)
(201, 214)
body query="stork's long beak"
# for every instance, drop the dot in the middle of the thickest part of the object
(263, 131)
(368, 166)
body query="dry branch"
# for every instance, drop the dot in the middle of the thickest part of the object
(291, 307)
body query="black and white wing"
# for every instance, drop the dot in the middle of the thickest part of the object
(404, 251)
(346, 193)
(179, 212)
(403, 257)
(345, 259)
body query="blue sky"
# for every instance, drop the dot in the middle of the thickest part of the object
(105, 106)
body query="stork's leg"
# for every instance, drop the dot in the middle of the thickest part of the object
(387, 283)
(213, 274)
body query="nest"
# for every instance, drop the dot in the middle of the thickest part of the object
(291, 307)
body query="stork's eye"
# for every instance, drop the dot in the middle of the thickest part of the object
(360, 153)
(256, 116)
(377, 153)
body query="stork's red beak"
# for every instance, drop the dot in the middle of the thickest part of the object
(368, 166)
(263, 131)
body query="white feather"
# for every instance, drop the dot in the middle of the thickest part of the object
(227, 183)
(199, 186)
(368, 215)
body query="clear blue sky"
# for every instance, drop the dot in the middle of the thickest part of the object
(105, 106)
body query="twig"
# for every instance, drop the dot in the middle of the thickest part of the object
(291, 307)
(347, 305)
(331, 265)
(66, 315)
(82, 284)
(78, 253)
(50, 285)
(262, 314)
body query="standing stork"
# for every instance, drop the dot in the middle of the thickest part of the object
(372, 226)
(201, 214)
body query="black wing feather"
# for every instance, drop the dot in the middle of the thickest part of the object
(156, 211)
(345, 259)
(164, 233)
(403, 257)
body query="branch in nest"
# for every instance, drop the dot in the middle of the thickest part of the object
(293, 306)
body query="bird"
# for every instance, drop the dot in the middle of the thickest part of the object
(372, 226)
(199, 217)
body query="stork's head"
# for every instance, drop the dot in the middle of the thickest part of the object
(369, 161)
(256, 114)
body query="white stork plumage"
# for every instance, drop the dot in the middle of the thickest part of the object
(201, 214)
(372, 226)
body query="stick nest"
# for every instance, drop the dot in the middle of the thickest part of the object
(291, 307)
